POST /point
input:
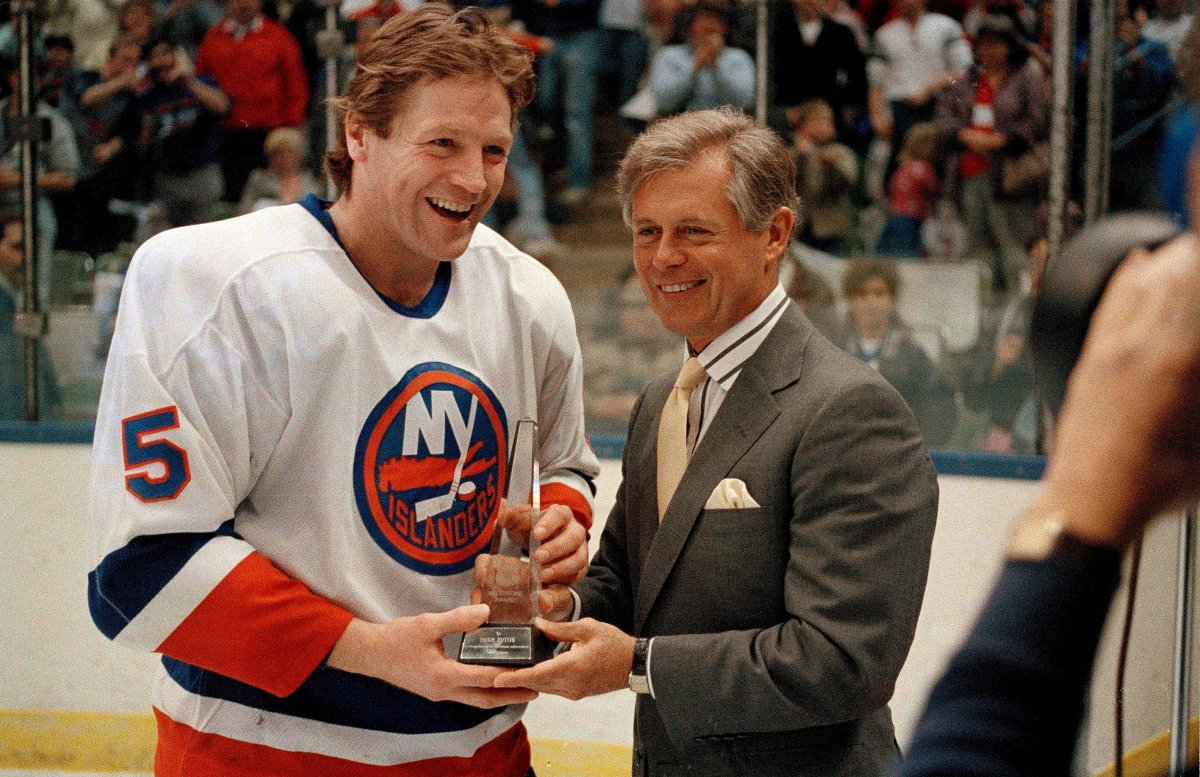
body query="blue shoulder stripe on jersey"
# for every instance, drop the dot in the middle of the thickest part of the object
(129, 577)
(426, 308)
(341, 698)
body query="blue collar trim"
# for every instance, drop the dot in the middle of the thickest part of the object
(426, 308)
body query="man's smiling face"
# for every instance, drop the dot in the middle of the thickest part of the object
(430, 181)
(701, 269)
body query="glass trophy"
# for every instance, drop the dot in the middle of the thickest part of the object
(511, 586)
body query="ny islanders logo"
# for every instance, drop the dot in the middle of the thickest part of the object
(428, 469)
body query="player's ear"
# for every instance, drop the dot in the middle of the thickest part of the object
(356, 136)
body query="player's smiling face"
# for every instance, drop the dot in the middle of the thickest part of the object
(430, 181)
(702, 271)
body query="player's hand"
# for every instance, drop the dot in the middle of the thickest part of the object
(598, 662)
(1127, 445)
(561, 541)
(409, 653)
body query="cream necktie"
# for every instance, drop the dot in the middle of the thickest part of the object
(672, 432)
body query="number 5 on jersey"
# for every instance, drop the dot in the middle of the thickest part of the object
(142, 454)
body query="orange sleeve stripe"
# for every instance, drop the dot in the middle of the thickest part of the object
(184, 750)
(562, 494)
(259, 626)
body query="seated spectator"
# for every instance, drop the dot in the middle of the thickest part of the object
(874, 333)
(705, 72)
(287, 178)
(12, 346)
(999, 382)
(139, 19)
(911, 190)
(105, 123)
(826, 173)
(57, 168)
(998, 115)
(179, 112)
(621, 359)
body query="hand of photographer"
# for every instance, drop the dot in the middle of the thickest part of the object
(1127, 446)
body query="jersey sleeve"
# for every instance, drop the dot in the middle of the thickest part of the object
(186, 422)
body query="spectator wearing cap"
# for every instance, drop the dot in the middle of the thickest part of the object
(705, 72)
(256, 62)
(999, 112)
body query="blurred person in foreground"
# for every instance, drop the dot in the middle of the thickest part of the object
(1126, 449)
(300, 445)
(759, 578)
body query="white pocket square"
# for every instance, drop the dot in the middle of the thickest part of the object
(730, 494)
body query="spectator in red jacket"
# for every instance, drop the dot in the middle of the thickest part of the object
(256, 62)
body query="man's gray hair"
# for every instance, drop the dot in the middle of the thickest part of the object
(763, 173)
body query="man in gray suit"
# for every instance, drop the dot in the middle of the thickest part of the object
(775, 594)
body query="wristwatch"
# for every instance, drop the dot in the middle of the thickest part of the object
(1040, 536)
(638, 681)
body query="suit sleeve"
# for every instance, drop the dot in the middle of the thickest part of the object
(860, 523)
(184, 427)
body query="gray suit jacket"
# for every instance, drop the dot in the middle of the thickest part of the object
(779, 629)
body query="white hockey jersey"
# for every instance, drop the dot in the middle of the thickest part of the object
(276, 450)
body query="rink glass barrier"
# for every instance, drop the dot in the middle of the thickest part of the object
(941, 359)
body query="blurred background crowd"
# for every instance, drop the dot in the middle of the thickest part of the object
(920, 129)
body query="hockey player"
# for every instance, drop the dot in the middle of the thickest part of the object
(301, 443)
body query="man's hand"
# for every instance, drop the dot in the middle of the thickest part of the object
(1127, 446)
(409, 653)
(598, 662)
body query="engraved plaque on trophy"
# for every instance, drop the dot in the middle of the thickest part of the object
(511, 584)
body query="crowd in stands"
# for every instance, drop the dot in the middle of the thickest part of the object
(920, 130)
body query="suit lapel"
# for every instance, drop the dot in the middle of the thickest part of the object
(743, 417)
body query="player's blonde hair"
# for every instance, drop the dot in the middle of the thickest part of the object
(431, 42)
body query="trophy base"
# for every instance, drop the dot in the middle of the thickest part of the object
(505, 644)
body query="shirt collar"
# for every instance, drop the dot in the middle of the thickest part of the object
(240, 31)
(724, 356)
